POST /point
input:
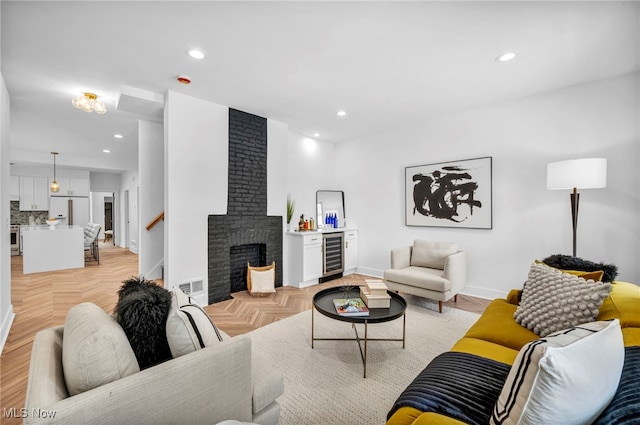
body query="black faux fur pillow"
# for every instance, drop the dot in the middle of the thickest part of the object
(142, 312)
(567, 262)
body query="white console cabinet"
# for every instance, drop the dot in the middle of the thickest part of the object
(350, 251)
(305, 256)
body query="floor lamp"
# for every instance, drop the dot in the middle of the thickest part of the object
(585, 173)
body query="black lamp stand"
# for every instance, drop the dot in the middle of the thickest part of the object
(575, 201)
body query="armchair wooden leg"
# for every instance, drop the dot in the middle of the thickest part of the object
(455, 298)
(440, 306)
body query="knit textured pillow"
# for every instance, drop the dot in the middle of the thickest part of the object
(553, 301)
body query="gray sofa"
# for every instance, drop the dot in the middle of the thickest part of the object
(219, 382)
(434, 270)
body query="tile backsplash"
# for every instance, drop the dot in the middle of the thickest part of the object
(22, 217)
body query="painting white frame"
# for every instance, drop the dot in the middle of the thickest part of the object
(450, 194)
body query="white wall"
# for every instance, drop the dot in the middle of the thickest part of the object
(128, 183)
(529, 222)
(151, 169)
(105, 182)
(196, 168)
(311, 168)
(6, 307)
(277, 160)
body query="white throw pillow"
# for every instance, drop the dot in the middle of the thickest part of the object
(189, 327)
(263, 281)
(431, 254)
(567, 378)
(95, 349)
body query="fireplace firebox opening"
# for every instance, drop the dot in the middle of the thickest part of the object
(254, 254)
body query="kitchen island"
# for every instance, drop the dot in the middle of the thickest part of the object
(45, 249)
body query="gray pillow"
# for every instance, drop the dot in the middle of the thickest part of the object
(95, 349)
(431, 254)
(553, 300)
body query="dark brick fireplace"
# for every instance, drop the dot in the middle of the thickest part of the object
(245, 233)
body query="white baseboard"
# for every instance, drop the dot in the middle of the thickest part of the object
(201, 299)
(7, 321)
(370, 272)
(489, 294)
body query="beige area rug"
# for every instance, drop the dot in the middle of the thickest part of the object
(325, 385)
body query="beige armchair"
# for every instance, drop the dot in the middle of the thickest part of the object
(434, 270)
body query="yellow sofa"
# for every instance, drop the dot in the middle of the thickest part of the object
(497, 336)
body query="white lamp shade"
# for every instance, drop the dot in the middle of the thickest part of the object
(585, 173)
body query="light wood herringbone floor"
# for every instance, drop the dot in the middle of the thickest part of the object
(42, 300)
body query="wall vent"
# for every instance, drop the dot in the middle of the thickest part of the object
(185, 287)
(193, 287)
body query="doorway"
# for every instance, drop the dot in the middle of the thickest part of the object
(126, 218)
(108, 220)
(104, 213)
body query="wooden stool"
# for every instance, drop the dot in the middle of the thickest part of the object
(108, 235)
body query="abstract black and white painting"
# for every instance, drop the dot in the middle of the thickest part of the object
(449, 194)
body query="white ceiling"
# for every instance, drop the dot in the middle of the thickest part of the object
(388, 64)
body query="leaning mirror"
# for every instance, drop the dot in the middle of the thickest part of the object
(330, 204)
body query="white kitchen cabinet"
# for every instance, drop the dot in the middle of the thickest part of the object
(350, 251)
(14, 188)
(71, 187)
(34, 193)
(72, 210)
(305, 258)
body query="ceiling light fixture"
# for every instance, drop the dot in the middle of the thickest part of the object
(106, 151)
(341, 113)
(506, 57)
(89, 102)
(196, 54)
(54, 186)
(118, 136)
(316, 134)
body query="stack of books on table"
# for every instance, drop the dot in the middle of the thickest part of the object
(374, 293)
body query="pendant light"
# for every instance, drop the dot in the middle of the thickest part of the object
(54, 186)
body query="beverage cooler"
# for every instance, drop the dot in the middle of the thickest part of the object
(333, 258)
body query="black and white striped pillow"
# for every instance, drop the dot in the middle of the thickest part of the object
(568, 377)
(189, 327)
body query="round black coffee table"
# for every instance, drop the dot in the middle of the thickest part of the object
(323, 302)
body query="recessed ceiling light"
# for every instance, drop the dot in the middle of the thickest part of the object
(106, 151)
(506, 57)
(316, 134)
(196, 54)
(341, 113)
(118, 136)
